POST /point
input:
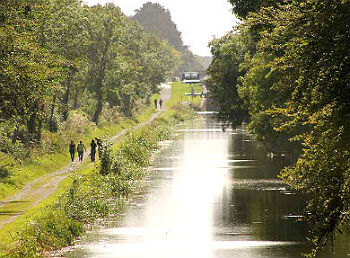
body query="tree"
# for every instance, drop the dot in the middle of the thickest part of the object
(64, 33)
(242, 8)
(61, 55)
(104, 32)
(295, 83)
(28, 72)
(157, 20)
(228, 52)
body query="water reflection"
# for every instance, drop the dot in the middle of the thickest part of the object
(214, 194)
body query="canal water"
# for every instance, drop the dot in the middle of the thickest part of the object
(212, 194)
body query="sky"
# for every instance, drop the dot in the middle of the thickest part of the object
(198, 21)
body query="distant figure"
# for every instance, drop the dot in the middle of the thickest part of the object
(160, 103)
(93, 150)
(155, 103)
(72, 150)
(81, 148)
(99, 146)
(224, 127)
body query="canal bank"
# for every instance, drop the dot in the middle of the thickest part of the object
(212, 194)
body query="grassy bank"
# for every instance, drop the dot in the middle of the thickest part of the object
(94, 191)
(178, 94)
(18, 169)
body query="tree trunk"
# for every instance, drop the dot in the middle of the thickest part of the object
(15, 135)
(75, 100)
(51, 120)
(35, 123)
(99, 84)
(98, 111)
(31, 124)
(39, 131)
(67, 95)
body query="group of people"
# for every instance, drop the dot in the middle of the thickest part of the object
(80, 148)
(156, 103)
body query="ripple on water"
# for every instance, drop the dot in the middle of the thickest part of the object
(259, 184)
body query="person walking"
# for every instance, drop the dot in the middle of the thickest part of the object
(160, 103)
(155, 103)
(93, 150)
(72, 150)
(81, 148)
(99, 146)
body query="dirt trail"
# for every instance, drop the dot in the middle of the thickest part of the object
(41, 188)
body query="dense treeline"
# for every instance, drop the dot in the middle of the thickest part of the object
(60, 55)
(285, 70)
(157, 20)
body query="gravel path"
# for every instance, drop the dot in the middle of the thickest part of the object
(41, 188)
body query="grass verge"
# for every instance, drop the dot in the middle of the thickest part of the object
(39, 165)
(178, 91)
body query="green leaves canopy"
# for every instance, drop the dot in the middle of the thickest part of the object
(295, 84)
(61, 55)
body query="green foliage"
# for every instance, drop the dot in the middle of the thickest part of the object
(58, 56)
(294, 80)
(86, 199)
(157, 20)
(204, 60)
(28, 72)
(7, 163)
(106, 161)
(51, 230)
(92, 195)
(242, 8)
(228, 54)
(135, 153)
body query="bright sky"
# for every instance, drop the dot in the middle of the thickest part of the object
(198, 20)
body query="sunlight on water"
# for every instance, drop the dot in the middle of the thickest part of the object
(214, 195)
(178, 220)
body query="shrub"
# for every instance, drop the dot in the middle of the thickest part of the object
(51, 230)
(7, 163)
(77, 123)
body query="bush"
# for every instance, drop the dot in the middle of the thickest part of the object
(7, 163)
(17, 150)
(51, 230)
(110, 115)
(76, 125)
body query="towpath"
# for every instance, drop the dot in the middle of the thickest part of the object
(41, 188)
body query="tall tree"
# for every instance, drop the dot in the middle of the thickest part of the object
(157, 20)
(295, 84)
(105, 32)
(64, 32)
(28, 72)
(228, 53)
(49, 47)
(243, 7)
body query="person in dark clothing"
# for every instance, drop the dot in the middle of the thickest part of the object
(160, 103)
(155, 103)
(81, 148)
(99, 146)
(72, 150)
(93, 150)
